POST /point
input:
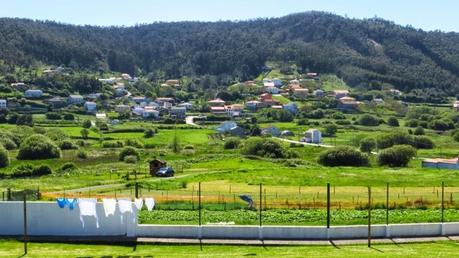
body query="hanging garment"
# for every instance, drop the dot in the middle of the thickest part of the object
(125, 206)
(138, 204)
(109, 206)
(150, 203)
(71, 202)
(88, 208)
(62, 202)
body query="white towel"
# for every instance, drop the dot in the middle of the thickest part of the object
(109, 206)
(88, 208)
(125, 206)
(150, 203)
(138, 204)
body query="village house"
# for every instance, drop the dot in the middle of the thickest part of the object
(161, 101)
(57, 102)
(178, 112)
(101, 117)
(237, 131)
(186, 105)
(20, 86)
(312, 75)
(111, 80)
(139, 99)
(150, 112)
(456, 105)
(253, 105)
(300, 93)
(273, 131)
(93, 96)
(75, 99)
(138, 111)
(173, 82)
(291, 107)
(277, 82)
(218, 110)
(347, 104)
(395, 92)
(268, 101)
(269, 84)
(120, 90)
(126, 77)
(234, 110)
(226, 126)
(312, 136)
(216, 102)
(3, 104)
(338, 94)
(272, 90)
(33, 94)
(441, 163)
(122, 108)
(90, 106)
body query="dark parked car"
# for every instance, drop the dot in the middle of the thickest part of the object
(165, 172)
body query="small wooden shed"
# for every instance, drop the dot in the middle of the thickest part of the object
(155, 165)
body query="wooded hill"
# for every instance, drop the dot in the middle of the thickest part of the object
(364, 53)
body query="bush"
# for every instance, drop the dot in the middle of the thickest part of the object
(368, 120)
(419, 131)
(38, 147)
(367, 145)
(133, 143)
(130, 159)
(87, 124)
(42, 170)
(128, 151)
(232, 143)
(401, 138)
(392, 121)
(4, 159)
(441, 125)
(53, 116)
(117, 144)
(69, 117)
(8, 143)
(23, 170)
(397, 156)
(412, 123)
(343, 156)
(68, 167)
(82, 154)
(67, 145)
(456, 136)
(422, 142)
(149, 133)
(330, 130)
(188, 147)
(263, 147)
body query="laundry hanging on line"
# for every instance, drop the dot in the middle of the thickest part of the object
(109, 206)
(61, 202)
(138, 204)
(149, 203)
(88, 208)
(125, 206)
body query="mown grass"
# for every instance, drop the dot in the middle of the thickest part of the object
(10, 248)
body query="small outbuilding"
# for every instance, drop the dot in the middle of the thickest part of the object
(155, 165)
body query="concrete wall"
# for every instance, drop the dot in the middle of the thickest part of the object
(47, 219)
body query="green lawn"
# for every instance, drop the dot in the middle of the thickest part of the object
(437, 249)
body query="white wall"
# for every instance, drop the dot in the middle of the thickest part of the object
(47, 219)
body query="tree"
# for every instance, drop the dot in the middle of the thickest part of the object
(419, 131)
(264, 147)
(38, 146)
(128, 151)
(87, 124)
(149, 133)
(392, 121)
(175, 144)
(4, 159)
(368, 120)
(397, 156)
(367, 145)
(330, 130)
(343, 156)
(232, 143)
(84, 133)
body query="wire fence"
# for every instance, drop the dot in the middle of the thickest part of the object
(222, 203)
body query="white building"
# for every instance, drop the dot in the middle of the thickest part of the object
(179, 112)
(3, 104)
(75, 99)
(122, 108)
(31, 94)
(312, 136)
(90, 106)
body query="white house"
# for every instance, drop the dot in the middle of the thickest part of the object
(3, 104)
(101, 116)
(312, 136)
(456, 105)
(75, 99)
(138, 110)
(186, 105)
(150, 113)
(90, 106)
(31, 94)
(179, 112)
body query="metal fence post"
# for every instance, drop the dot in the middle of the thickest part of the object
(25, 223)
(387, 204)
(369, 216)
(442, 202)
(199, 202)
(261, 205)
(328, 205)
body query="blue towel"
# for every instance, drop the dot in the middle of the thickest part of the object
(71, 203)
(62, 202)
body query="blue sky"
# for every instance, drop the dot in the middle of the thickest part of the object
(425, 14)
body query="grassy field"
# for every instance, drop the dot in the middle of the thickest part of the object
(437, 249)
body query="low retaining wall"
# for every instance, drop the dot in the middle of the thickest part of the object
(47, 219)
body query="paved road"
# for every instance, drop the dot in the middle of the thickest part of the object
(304, 143)
(189, 120)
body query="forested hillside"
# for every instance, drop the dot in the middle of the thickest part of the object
(363, 52)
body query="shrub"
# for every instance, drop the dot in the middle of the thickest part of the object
(263, 147)
(367, 145)
(67, 145)
(188, 147)
(397, 156)
(38, 147)
(82, 154)
(128, 151)
(68, 167)
(338, 116)
(23, 170)
(232, 143)
(69, 117)
(368, 120)
(392, 121)
(149, 133)
(53, 116)
(130, 159)
(117, 144)
(343, 156)
(133, 143)
(4, 159)
(87, 124)
(441, 125)
(401, 138)
(330, 130)
(84, 133)
(412, 123)
(422, 142)
(419, 131)
(42, 170)
(456, 136)
(8, 143)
